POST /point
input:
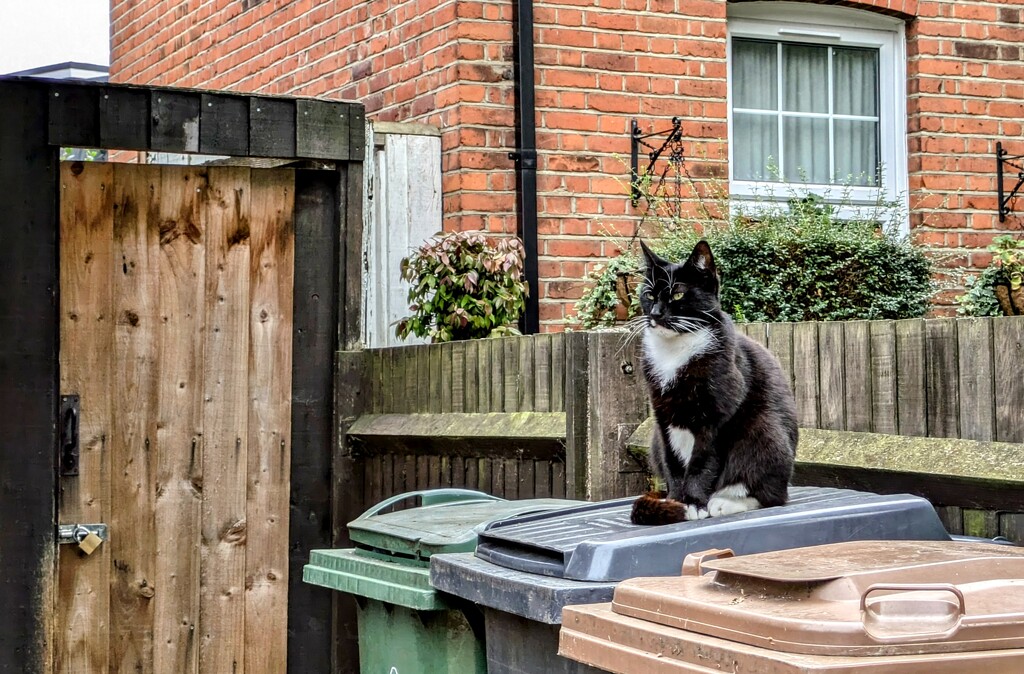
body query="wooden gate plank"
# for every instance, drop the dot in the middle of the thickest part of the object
(134, 417)
(86, 333)
(270, 391)
(181, 272)
(225, 436)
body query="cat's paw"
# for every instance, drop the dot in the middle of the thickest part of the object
(696, 512)
(719, 506)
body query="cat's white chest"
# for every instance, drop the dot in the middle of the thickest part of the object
(668, 354)
(681, 440)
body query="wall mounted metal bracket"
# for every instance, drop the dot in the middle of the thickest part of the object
(672, 145)
(1004, 159)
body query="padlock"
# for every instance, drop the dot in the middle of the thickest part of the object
(89, 544)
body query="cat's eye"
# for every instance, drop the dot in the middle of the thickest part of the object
(649, 295)
(677, 296)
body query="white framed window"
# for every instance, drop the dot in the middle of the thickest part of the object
(817, 102)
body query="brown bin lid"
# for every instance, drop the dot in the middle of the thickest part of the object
(858, 598)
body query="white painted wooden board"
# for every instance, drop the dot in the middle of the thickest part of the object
(403, 207)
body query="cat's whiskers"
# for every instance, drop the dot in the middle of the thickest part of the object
(634, 327)
(716, 319)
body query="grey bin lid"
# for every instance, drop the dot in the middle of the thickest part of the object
(597, 542)
(447, 520)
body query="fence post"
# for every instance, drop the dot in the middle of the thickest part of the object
(352, 393)
(606, 400)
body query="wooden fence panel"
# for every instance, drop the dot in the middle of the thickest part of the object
(1009, 384)
(857, 374)
(976, 379)
(806, 377)
(911, 372)
(831, 366)
(941, 366)
(883, 377)
(912, 377)
(780, 343)
(509, 375)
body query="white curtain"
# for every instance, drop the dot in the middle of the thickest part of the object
(804, 153)
(755, 87)
(856, 93)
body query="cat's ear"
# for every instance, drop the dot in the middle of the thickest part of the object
(649, 256)
(702, 259)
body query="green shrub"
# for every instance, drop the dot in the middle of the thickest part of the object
(997, 290)
(464, 286)
(792, 261)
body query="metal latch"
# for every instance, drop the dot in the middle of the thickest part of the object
(69, 414)
(87, 537)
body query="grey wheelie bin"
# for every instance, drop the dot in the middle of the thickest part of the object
(525, 570)
(405, 626)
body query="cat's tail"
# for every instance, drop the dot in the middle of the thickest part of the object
(652, 509)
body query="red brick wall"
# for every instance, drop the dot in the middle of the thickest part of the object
(966, 91)
(599, 64)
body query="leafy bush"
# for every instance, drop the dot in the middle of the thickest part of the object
(464, 286)
(794, 261)
(999, 289)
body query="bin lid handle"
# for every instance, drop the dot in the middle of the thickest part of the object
(943, 624)
(430, 497)
(692, 562)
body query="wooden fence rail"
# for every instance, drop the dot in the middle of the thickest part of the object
(410, 417)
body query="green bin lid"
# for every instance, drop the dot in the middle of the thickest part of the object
(391, 560)
(447, 520)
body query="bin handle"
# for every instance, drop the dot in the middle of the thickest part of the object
(429, 497)
(939, 635)
(693, 561)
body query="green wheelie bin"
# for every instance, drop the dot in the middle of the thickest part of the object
(405, 626)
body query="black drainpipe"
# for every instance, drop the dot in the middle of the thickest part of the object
(525, 155)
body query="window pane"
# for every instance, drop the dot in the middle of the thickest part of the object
(856, 154)
(856, 81)
(805, 149)
(755, 75)
(805, 78)
(755, 146)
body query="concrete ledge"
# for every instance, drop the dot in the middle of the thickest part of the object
(947, 471)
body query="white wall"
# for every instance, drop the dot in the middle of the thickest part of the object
(36, 33)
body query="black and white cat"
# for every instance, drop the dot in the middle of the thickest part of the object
(725, 430)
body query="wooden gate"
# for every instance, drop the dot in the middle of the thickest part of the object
(176, 334)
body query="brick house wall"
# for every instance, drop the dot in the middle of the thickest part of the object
(599, 63)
